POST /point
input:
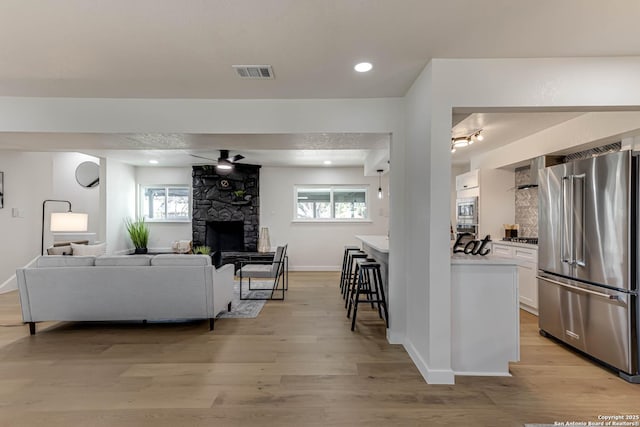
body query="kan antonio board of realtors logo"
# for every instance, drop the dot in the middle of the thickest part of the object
(472, 247)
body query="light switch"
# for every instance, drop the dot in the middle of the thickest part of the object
(17, 213)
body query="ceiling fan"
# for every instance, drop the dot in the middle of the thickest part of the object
(224, 162)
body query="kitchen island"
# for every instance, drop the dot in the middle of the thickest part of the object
(485, 319)
(377, 247)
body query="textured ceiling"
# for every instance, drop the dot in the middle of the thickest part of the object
(308, 149)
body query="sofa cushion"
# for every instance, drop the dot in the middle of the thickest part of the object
(65, 261)
(59, 250)
(123, 260)
(83, 250)
(176, 259)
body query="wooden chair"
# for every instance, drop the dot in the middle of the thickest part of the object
(278, 270)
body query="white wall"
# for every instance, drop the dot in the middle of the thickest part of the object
(31, 178)
(162, 234)
(65, 187)
(27, 182)
(316, 246)
(120, 188)
(427, 212)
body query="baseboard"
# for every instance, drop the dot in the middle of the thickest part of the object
(528, 309)
(394, 337)
(431, 376)
(482, 374)
(314, 268)
(11, 284)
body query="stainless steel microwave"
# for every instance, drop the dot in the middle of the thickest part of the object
(467, 210)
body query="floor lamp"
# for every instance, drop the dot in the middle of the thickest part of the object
(64, 221)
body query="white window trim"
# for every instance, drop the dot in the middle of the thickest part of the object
(331, 187)
(141, 188)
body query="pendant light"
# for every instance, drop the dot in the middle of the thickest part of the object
(380, 183)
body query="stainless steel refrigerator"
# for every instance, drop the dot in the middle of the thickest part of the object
(588, 258)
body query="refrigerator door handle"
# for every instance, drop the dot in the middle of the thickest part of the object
(576, 288)
(566, 230)
(577, 197)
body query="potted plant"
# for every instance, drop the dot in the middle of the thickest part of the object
(240, 197)
(138, 233)
(203, 250)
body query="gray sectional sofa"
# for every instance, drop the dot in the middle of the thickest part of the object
(125, 287)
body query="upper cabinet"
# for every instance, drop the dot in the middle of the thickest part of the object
(467, 180)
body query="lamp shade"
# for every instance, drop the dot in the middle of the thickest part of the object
(69, 221)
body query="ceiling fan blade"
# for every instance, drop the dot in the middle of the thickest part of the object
(236, 158)
(201, 157)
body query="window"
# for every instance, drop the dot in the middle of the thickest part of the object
(165, 203)
(331, 203)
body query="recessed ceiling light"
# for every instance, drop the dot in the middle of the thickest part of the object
(363, 67)
(153, 162)
(327, 162)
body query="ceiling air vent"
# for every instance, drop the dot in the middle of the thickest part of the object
(254, 71)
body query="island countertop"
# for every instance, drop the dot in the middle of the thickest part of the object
(379, 243)
(463, 259)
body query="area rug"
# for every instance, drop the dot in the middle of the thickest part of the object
(247, 308)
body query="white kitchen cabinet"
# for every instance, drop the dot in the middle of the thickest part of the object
(485, 320)
(467, 180)
(527, 257)
(502, 251)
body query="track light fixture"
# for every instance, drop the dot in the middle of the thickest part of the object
(466, 140)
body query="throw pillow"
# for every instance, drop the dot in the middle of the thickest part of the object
(84, 250)
(59, 250)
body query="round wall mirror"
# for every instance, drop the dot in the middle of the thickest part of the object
(88, 174)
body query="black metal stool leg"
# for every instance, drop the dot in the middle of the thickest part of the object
(357, 299)
(352, 290)
(353, 269)
(382, 299)
(344, 267)
(345, 274)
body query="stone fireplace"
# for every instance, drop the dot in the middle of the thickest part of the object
(226, 208)
(225, 235)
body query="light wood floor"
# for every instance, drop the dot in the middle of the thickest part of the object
(297, 364)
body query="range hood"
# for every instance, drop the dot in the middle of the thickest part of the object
(537, 164)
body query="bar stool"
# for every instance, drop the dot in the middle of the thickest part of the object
(352, 284)
(350, 273)
(369, 284)
(347, 249)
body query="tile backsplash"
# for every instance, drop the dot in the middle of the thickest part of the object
(526, 205)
